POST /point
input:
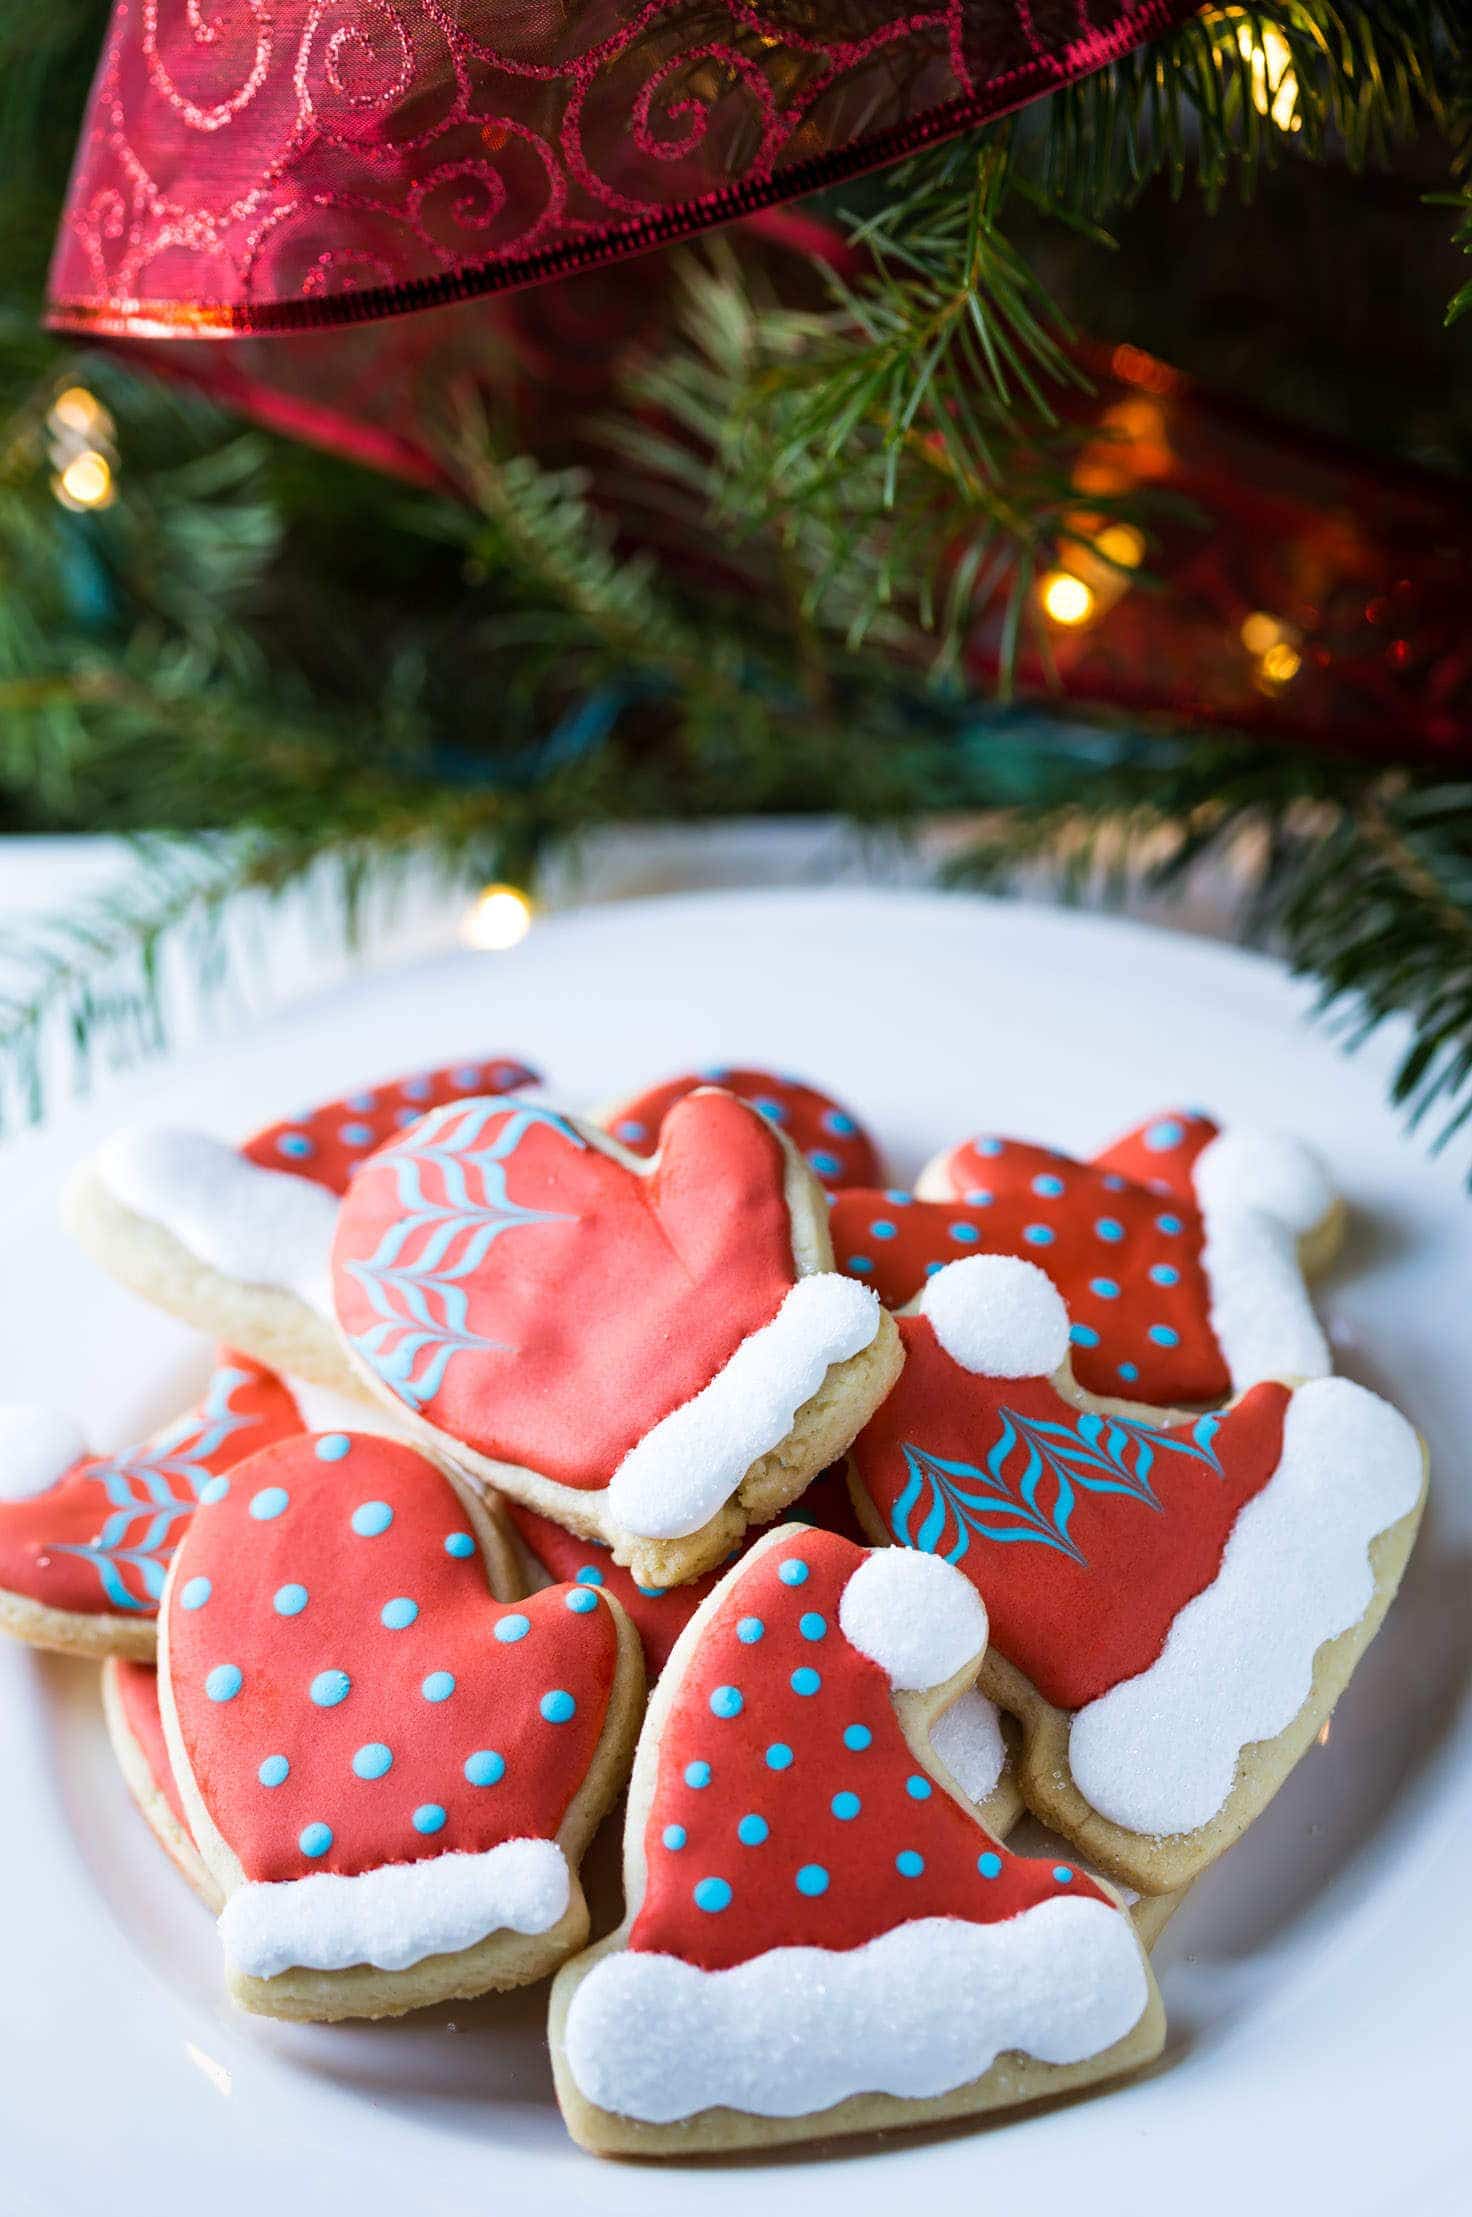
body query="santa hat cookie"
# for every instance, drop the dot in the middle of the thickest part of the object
(1180, 1250)
(389, 1775)
(86, 1540)
(653, 1353)
(821, 1937)
(1175, 1605)
(237, 1241)
(135, 1728)
(829, 1137)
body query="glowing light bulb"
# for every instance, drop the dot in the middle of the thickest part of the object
(498, 919)
(1281, 663)
(1123, 544)
(1269, 58)
(86, 481)
(1066, 599)
(1260, 631)
(80, 412)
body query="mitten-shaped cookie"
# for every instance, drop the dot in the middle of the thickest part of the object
(830, 1139)
(390, 1775)
(1176, 1603)
(1180, 1250)
(86, 1540)
(653, 1353)
(821, 1936)
(237, 1240)
(136, 1730)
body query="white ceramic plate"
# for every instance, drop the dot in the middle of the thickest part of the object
(1317, 1981)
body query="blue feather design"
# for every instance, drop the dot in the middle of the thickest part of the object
(1027, 1487)
(455, 1204)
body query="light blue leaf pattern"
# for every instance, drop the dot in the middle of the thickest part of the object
(455, 1203)
(153, 1487)
(1027, 1486)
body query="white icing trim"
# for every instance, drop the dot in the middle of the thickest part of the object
(1258, 1193)
(915, 1615)
(968, 1740)
(998, 1317)
(259, 1227)
(1159, 1753)
(676, 1478)
(37, 1446)
(924, 2008)
(397, 1915)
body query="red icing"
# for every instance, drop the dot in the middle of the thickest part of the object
(1142, 1190)
(1077, 1617)
(327, 1145)
(661, 1614)
(866, 1894)
(99, 1541)
(594, 1319)
(349, 1578)
(136, 1688)
(830, 1138)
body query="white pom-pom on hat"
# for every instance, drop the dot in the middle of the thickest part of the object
(915, 1615)
(998, 1317)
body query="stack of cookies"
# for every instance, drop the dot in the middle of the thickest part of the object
(666, 1448)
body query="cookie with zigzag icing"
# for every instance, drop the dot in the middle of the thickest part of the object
(1176, 1603)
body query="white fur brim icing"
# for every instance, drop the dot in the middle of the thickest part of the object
(398, 1915)
(998, 1317)
(259, 1227)
(1258, 1193)
(915, 1615)
(968, 1740)
(1159, 1753)
(924, 2008)
(37, 1446)
(683, 1471)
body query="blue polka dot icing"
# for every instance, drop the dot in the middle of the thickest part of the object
(859, 1266)
(1160, 1138)
(213, 1490)
(898, 1200)
(355, 1135)
(841, 1126)
(362, 1102)
(330, 1687)
(918, 1786)
(1083, 1335)
(752, 1831)
(438, 1686)
(909, 1863)
(1063, 1874)
(1038, 1235)
(989, 1146)
(582, 1601)
(332, 1447)
(513, 1628)
(1169, 1224)
(371, 1518)
(856, 1737)
(826, 1165)
(965, 1235)
(773, 1111)
(793, 1572)
(428, 1817)
(224, 1682)
(1163, 1335)
(397, 1615)
(989, 1865)
(750, 1630)
(812, 1880)
(1107, 1289)
(459, 1544)
(630, 1131)
(558, 1706)
(1164, 1274)
(314, 1840)
(1129, 1372)
(590, 1575)
(805, 1682)
(881, 1228)
(697, 1775)
(373, 1760)
(812, 1626)
(712, 1895)
(270, 1503)
(274, 1771)
(674, 1837)
(1112, 1182)
(486, 1768)
(289, 1601)
(933, 1269)
(980, 1197)
(1110, 1230)
(194, 1593)
(296, 1146)
(779, 1756)
(726, 1701)
(1047, 1186)
(845, 1807)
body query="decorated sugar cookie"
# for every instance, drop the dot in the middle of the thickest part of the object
(86, 1540)
(135, 1727)
(830, 1139)
(237, 1241)
(390, 1775)
(653, 1353)
(821, 1936)
(1176, 1603)
(1180, 1250)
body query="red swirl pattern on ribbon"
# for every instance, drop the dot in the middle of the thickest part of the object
(279, 165)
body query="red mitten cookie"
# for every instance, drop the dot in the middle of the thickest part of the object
(85, 1540)
(821, 1937)
(1175, 1605)
(830, 1139)
(390, 1775)
(237, 1241)
(1180, 1250)
(655, 1354)
(136, 1729)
